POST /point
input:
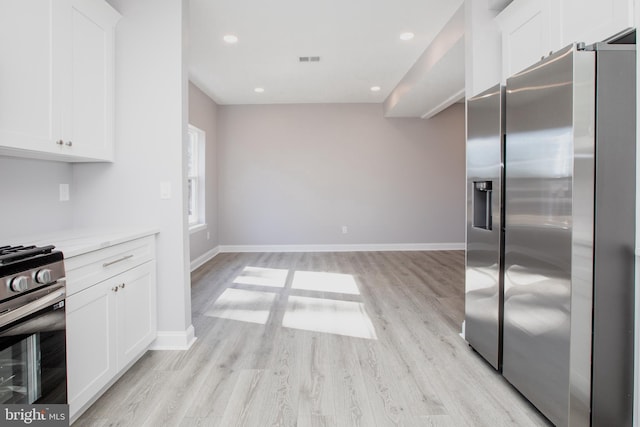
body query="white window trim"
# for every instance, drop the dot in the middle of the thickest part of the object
(199, 165)
(196, 227)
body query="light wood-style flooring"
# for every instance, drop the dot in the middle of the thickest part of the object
(320, 339)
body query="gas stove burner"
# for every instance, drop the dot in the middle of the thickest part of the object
(24, 269)
(9, 254)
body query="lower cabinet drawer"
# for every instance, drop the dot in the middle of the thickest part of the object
(94, 267)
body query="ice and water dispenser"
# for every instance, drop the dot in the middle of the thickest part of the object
(482, 204)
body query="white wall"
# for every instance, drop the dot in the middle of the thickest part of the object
(29, 198)
(203, 114)
(483, 46)
(436, 80)
(294, 174)
(150, 120)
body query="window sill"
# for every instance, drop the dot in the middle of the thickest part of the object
(194, 228)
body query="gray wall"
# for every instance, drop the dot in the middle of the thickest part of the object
(294, 174)
(203, 114)
(29, 197)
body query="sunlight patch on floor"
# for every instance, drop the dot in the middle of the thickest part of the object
(272, 277)
(325, 282)
(242, 305)
(330, 316)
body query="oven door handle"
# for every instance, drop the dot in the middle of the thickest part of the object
(32, 307)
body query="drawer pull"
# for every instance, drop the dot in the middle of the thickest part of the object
(124, 258)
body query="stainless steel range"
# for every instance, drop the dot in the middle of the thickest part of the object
(33, 367)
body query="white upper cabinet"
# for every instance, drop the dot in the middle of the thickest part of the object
(91, 79)
(532, 29)
(30, 81)
(592, 21)
(56, 79)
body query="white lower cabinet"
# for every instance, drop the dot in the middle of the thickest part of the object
(109, 325)
(135, 312)
(91, 343)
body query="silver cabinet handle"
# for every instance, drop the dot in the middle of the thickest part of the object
(114, 289)
(124, 258)
(69, 143)
(122, 286)
(60, 142)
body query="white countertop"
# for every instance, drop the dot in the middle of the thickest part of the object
(79, 241)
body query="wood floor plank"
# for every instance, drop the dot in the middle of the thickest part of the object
(315, 388)
(200, 422)
(351, 401)
(97, 422)
(281, 343)
(239, 410)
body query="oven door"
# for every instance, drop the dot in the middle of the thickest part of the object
(33, 365)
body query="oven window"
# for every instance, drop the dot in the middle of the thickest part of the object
(20, 372)
(33, 360)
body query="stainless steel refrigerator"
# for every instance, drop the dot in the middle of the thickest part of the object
(570, 235)
(485, 175)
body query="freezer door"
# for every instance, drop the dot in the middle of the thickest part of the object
(483, 298)
(549, 109)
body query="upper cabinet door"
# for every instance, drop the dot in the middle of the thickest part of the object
(530, 30)
(30, 75)
(592, 21)
(89, 123)
(56, 79)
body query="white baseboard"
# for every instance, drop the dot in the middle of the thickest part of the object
(345, 248)
(174, 340)
(204, 258)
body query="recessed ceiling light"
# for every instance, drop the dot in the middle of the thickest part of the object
(230, 38)
(375, 88)
(407, 36)
(258, 90)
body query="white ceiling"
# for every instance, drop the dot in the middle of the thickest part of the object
(357, 41)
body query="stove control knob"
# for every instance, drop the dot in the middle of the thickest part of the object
(43, 276)
(19, 284)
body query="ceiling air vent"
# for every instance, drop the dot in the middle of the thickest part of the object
(309, 59)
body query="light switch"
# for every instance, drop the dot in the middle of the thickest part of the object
(64, 192)
(165, 190)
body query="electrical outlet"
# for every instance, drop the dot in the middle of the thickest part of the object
(64, 192)
(345, 229)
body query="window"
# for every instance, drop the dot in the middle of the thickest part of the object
(195, 176)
